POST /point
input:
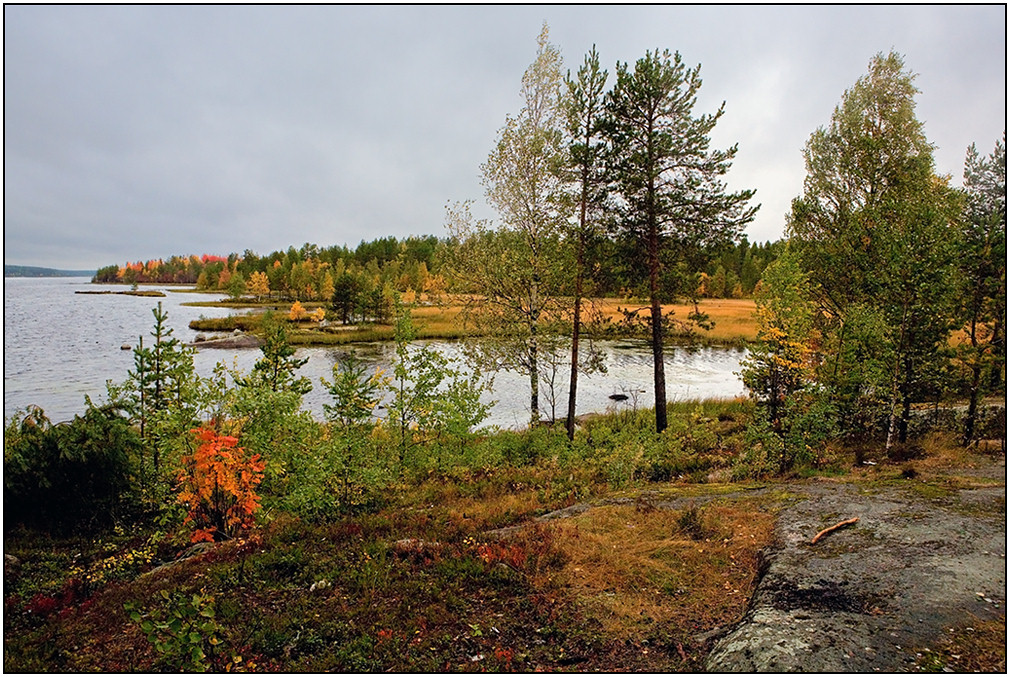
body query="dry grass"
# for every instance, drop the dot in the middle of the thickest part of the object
(734, 318)
(632, 567)
(980, 647)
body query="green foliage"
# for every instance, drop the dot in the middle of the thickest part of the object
(876, 227)
(276, 369)
(162, 396)
(782, 364)
(430, 401)
(349, 454)
(808, 422)
(982, 279)
(78, 475)
(184, 630)
(669, 187)
(346, 299)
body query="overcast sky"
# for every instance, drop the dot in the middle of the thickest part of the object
(141, 132)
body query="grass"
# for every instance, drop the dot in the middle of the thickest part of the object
(979, 647)
(734, 322)
(420, 586)
(734, 318)
(632, 566)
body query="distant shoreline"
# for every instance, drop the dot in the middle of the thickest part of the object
(37, 271)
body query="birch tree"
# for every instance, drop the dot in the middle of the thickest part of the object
(514, 273)
(876, 227)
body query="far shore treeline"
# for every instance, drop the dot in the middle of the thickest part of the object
(314, 273)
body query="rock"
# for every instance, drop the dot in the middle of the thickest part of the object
(320, 585)
(618, 397)
(125, 346)
(417, 548)
(857, 601)
(12, 566)
(242, 341)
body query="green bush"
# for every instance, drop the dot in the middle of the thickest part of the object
(68, 476)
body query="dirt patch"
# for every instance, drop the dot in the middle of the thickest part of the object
(870, 598)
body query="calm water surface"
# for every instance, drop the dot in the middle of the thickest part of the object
(60, 346)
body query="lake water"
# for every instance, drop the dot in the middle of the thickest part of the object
(60, 346)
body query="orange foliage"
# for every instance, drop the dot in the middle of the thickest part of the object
(297, 312)
(218, 485)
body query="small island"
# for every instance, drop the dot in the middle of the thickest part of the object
(131, 292)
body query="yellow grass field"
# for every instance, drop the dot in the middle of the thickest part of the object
(734, 318)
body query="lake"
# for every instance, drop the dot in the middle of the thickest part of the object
(60, 346)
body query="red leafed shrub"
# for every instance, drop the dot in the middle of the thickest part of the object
(69, 597)
(513, 555)
(41, 605)
(218, 485)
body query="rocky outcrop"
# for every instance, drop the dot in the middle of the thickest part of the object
(867, 597)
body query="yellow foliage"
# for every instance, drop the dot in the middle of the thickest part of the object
(297, 312)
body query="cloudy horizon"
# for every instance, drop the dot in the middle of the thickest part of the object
(139, 132)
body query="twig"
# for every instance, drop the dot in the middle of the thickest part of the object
(832, 528)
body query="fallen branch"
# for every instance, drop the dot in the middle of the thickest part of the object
(832, 528)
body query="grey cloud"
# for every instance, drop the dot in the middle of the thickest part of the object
(141, 131)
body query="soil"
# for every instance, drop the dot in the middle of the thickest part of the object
(869, 597)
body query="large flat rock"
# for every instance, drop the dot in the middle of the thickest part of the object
(865, 598)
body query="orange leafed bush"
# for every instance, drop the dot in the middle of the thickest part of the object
(218, 485)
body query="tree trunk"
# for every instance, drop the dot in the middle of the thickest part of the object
(573, 380)
(895, 382)
(659, 371)
(976, 378)
(906, 414)
(969, 422)
(534, 377)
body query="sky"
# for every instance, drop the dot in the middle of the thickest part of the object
(139, 132)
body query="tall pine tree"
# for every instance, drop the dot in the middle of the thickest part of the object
(668, 183)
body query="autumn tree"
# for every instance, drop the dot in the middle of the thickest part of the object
(218, 486)
(875, 227)
(297, 312)
(258, 285)
(667, 182)
(515, 273)
(982, 272)
(782, 360)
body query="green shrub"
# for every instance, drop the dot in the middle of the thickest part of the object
(184, 632)
(68, 476)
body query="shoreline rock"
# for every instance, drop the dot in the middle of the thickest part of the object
(242, 341)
